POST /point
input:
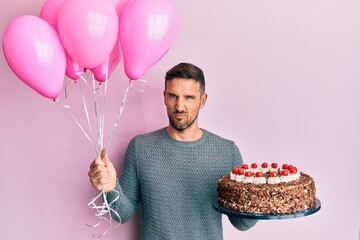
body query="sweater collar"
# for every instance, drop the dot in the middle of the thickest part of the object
(185, 143)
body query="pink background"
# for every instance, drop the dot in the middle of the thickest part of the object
(283, 79)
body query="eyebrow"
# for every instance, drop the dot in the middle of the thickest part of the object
(186, 95)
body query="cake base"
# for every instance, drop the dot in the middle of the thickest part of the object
(282, 198)
(259, 216)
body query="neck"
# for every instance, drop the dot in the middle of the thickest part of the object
(190, 134)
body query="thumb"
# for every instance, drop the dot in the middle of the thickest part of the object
(105, 157)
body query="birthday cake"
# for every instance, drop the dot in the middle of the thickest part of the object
(266, 189)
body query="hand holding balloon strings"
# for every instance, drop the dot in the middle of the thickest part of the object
(140, 32)
(98, 91)
(103, 177)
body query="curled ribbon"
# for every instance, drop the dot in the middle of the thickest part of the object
(103, 213)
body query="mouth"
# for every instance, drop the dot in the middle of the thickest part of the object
(179, 115)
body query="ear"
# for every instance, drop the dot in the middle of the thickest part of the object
(203, 100)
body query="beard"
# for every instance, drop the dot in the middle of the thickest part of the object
(178, 126)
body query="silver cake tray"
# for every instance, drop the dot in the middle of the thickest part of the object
(259, 216)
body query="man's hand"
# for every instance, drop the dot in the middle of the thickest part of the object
(102, 173)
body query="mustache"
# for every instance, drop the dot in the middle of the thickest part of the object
(178, 112)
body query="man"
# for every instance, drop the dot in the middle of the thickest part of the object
(173, 171)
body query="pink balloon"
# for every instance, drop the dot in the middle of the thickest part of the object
(147, 30)
(108, 66)
(34, 52)
(88, 30)
(50, 11)
(120, 5)
(73, 69)
(114, 57)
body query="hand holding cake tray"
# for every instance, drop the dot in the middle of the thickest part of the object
(266, 192)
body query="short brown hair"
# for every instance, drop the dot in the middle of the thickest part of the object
(187, 71)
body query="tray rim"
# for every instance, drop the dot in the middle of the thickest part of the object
(259, 216)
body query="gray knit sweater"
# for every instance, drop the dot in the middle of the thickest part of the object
(175, 182)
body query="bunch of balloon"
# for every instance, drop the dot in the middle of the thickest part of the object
(75, 38)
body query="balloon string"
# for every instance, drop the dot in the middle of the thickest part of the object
(84, 103)
(120, 112)
(98, 128)
(99, 106)
(105, 208)
(80, 74)
(130, 87)
(144, 82)
(102, 210)
(68, 108)
(102, 112)
(104, 98)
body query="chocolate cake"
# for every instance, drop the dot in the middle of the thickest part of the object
(266, 190)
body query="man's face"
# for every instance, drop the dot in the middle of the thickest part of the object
(183, 101)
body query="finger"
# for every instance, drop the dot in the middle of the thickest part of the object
(97, 184)
(97, 162)
(98, 169)
(98, 178)
(103, 181)
(105, 158)
(100, 174)
(104, 154)
(98, 181)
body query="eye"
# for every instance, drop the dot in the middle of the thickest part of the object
(189, 97)
(171, 95)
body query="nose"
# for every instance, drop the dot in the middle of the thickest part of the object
(180, 105)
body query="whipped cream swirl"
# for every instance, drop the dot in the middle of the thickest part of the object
(239, 178)
(259, 180)
(248, 179)
(285, 179)
(273, 180)
(232, 176)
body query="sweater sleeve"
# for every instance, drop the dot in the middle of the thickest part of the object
(237, 158)
(241, 223)
(128, 188)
